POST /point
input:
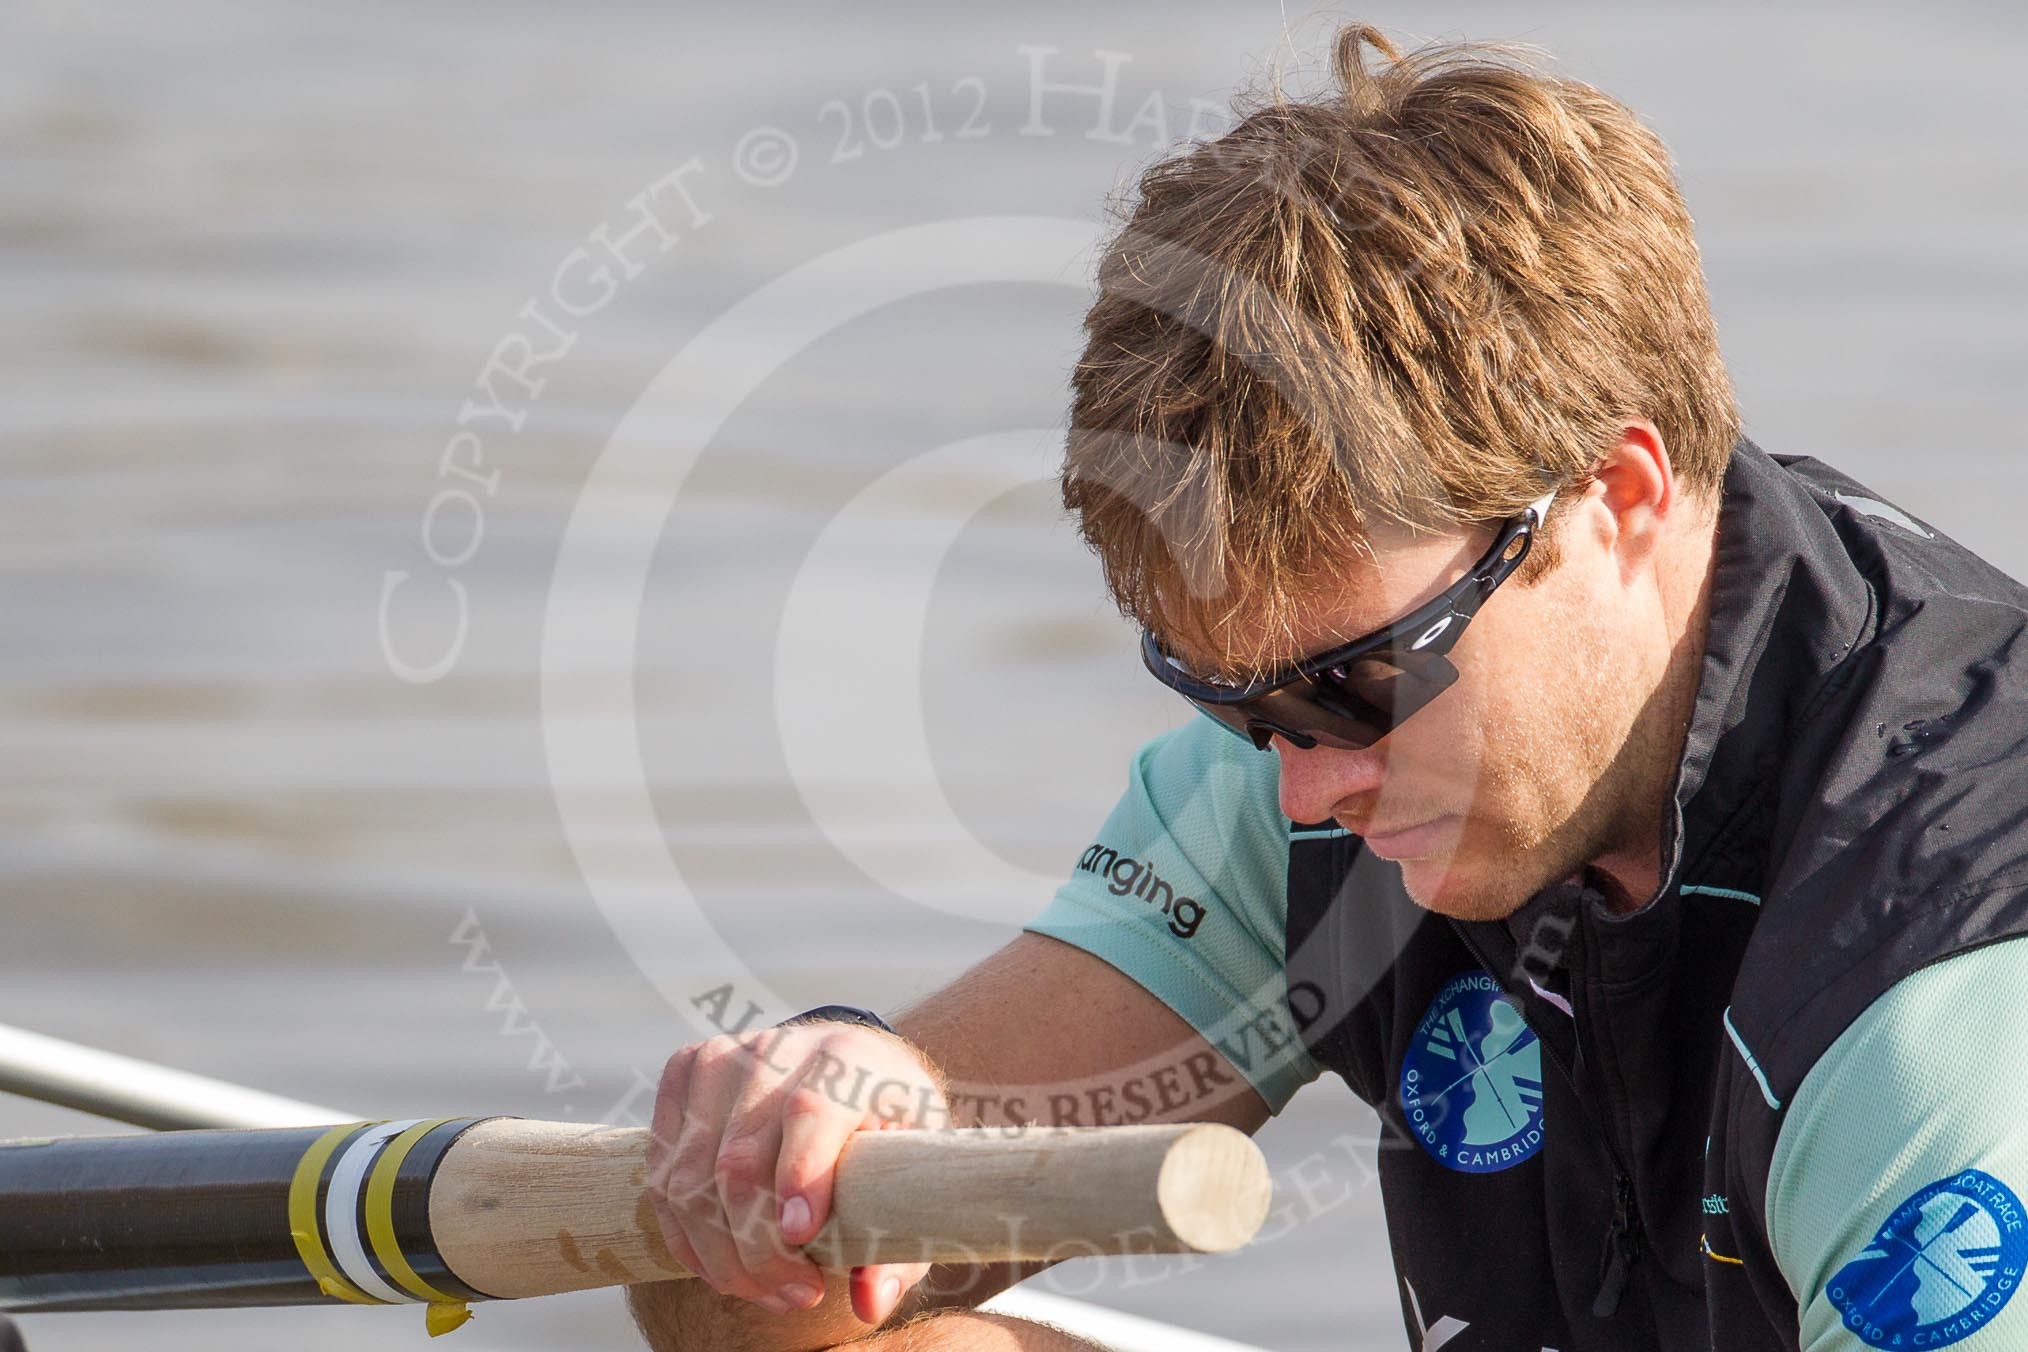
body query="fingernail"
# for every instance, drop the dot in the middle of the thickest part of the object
(795, 1216)
(890, 1292)
(773, 1304)
(800, 1297)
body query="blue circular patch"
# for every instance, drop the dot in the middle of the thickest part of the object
(1471, 1084)
(1947, 1261)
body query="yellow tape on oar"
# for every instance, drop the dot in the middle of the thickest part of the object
(303, 1217)
(446, 1312)
(441, 1319)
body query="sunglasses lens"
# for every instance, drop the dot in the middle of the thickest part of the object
(1296, 719)
(1389, 691)
(1343, 718)
(1385, 688)
(1348, 708)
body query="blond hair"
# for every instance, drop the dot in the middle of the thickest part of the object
(1415, 303)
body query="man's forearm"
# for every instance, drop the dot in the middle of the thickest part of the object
(682, 1316)
(688, 1316)
(973, 1331)
(691, 1317)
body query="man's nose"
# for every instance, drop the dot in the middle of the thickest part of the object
(1315, 781)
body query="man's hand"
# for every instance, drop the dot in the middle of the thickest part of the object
(1001, 1036)
(747, 1134)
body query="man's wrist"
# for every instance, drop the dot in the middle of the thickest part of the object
(865, 1018)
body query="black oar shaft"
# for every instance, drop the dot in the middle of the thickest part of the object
(221, 1218)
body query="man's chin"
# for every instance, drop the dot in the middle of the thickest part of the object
(1455, 885)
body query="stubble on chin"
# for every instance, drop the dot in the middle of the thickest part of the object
(1482, 880)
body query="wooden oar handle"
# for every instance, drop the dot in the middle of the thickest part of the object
(523, 1208)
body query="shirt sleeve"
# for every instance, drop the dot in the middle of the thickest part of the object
(1186, 892)
(1895, 1202)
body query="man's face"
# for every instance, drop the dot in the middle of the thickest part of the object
(1535, 762)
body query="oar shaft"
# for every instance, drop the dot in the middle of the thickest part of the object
(498, 1208)
(147, 1095)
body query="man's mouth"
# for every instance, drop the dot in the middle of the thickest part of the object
(1410, 842)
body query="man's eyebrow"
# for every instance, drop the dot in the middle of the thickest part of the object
(1453, 573)
(1285, 653)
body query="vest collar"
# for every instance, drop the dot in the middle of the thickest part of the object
(1788, 608)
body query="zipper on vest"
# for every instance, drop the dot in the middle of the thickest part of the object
(1622, 1240)
(1622, 1246)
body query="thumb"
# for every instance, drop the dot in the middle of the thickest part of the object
(877, 1290)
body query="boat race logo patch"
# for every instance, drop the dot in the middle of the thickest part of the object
(1943, 1266)
(1471, 1085)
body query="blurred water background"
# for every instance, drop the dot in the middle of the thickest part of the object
(255, 260)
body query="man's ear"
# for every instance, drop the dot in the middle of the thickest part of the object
(1633, 490)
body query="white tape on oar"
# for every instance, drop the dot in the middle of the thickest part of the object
(341, 1211)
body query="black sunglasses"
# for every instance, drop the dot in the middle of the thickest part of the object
(1355, 694)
